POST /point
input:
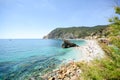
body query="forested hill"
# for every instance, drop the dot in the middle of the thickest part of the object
(76, 32)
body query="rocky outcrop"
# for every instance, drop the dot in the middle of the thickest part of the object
(45, 37)
(68, 44)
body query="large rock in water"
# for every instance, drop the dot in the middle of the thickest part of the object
(68, 44)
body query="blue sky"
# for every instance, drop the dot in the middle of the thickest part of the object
(36, 18)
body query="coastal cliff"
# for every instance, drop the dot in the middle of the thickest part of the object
(76, 32)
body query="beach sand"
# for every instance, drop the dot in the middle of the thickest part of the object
(91, 50)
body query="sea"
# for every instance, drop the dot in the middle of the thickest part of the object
(21, 59)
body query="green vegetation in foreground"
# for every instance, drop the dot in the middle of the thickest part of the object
(109, 67)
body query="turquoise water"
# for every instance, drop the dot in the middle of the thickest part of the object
(22, 58)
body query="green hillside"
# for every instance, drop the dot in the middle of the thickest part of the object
(76, 32)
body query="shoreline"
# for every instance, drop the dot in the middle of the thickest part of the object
(70, 71)
(91, 50)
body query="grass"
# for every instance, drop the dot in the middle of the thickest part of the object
(108, 68)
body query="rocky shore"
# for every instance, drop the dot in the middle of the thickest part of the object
(69, 71)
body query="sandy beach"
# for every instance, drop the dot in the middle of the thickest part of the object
(91, 50)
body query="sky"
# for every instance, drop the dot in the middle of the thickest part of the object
(36, 18)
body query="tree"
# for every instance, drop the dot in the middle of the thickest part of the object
(114, 29)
